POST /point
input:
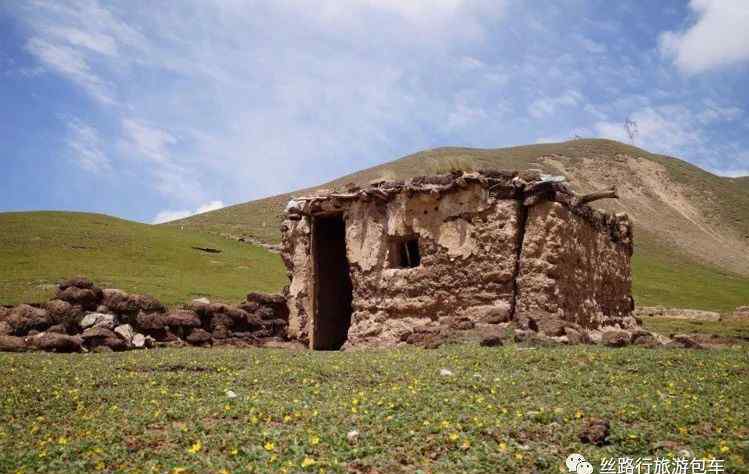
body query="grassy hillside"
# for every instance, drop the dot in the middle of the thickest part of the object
(667, 280)
(692, 227)
(37, 249)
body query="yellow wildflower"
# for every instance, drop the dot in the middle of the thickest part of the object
(308, 462)
(269, 446)
(195, 448)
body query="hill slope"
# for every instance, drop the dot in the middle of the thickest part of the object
(37, 249)
(692, 227)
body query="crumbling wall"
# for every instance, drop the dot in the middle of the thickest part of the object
(574, 268)
(296, 238)
(468, 244)
(495, 247)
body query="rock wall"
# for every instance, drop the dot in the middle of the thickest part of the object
(572, 271)
(83, 317)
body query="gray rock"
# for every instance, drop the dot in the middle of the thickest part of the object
(99, 320)
(125, 331)
(139, 341)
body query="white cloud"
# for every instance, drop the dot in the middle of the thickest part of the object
(169, 215)
(148, 140)
(547, 106)
(71, 63)
(100, 43)
(86, 147)
(71, 38)
(719, 37)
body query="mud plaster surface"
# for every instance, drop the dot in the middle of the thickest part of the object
(469, 243)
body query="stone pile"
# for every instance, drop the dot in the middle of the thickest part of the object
(551, 333)
(83, 317)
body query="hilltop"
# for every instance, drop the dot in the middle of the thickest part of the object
(38, 249)
(692, 227)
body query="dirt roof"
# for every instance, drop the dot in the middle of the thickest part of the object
(530, 187)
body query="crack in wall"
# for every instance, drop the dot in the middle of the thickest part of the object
(522, 224)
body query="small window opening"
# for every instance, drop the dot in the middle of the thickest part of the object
(404, 253)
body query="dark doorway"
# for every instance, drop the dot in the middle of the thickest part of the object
(332, 304)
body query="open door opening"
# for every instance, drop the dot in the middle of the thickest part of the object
(333, 293)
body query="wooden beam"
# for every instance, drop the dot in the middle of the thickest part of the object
(609, 194)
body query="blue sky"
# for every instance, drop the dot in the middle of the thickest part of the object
(155, 110)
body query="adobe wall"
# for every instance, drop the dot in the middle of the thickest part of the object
(468, 244)
(575, 268)
(296, 252)
(495, 246)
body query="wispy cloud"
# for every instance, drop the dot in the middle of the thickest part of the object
(86, 147)
(546, 106)
(71, 63)
(148, 140)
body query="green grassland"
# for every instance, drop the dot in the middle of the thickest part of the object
(737, 328)
(38, 249)
(664, 280)
(508, 409)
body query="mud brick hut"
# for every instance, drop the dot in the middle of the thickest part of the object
(375, 265)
